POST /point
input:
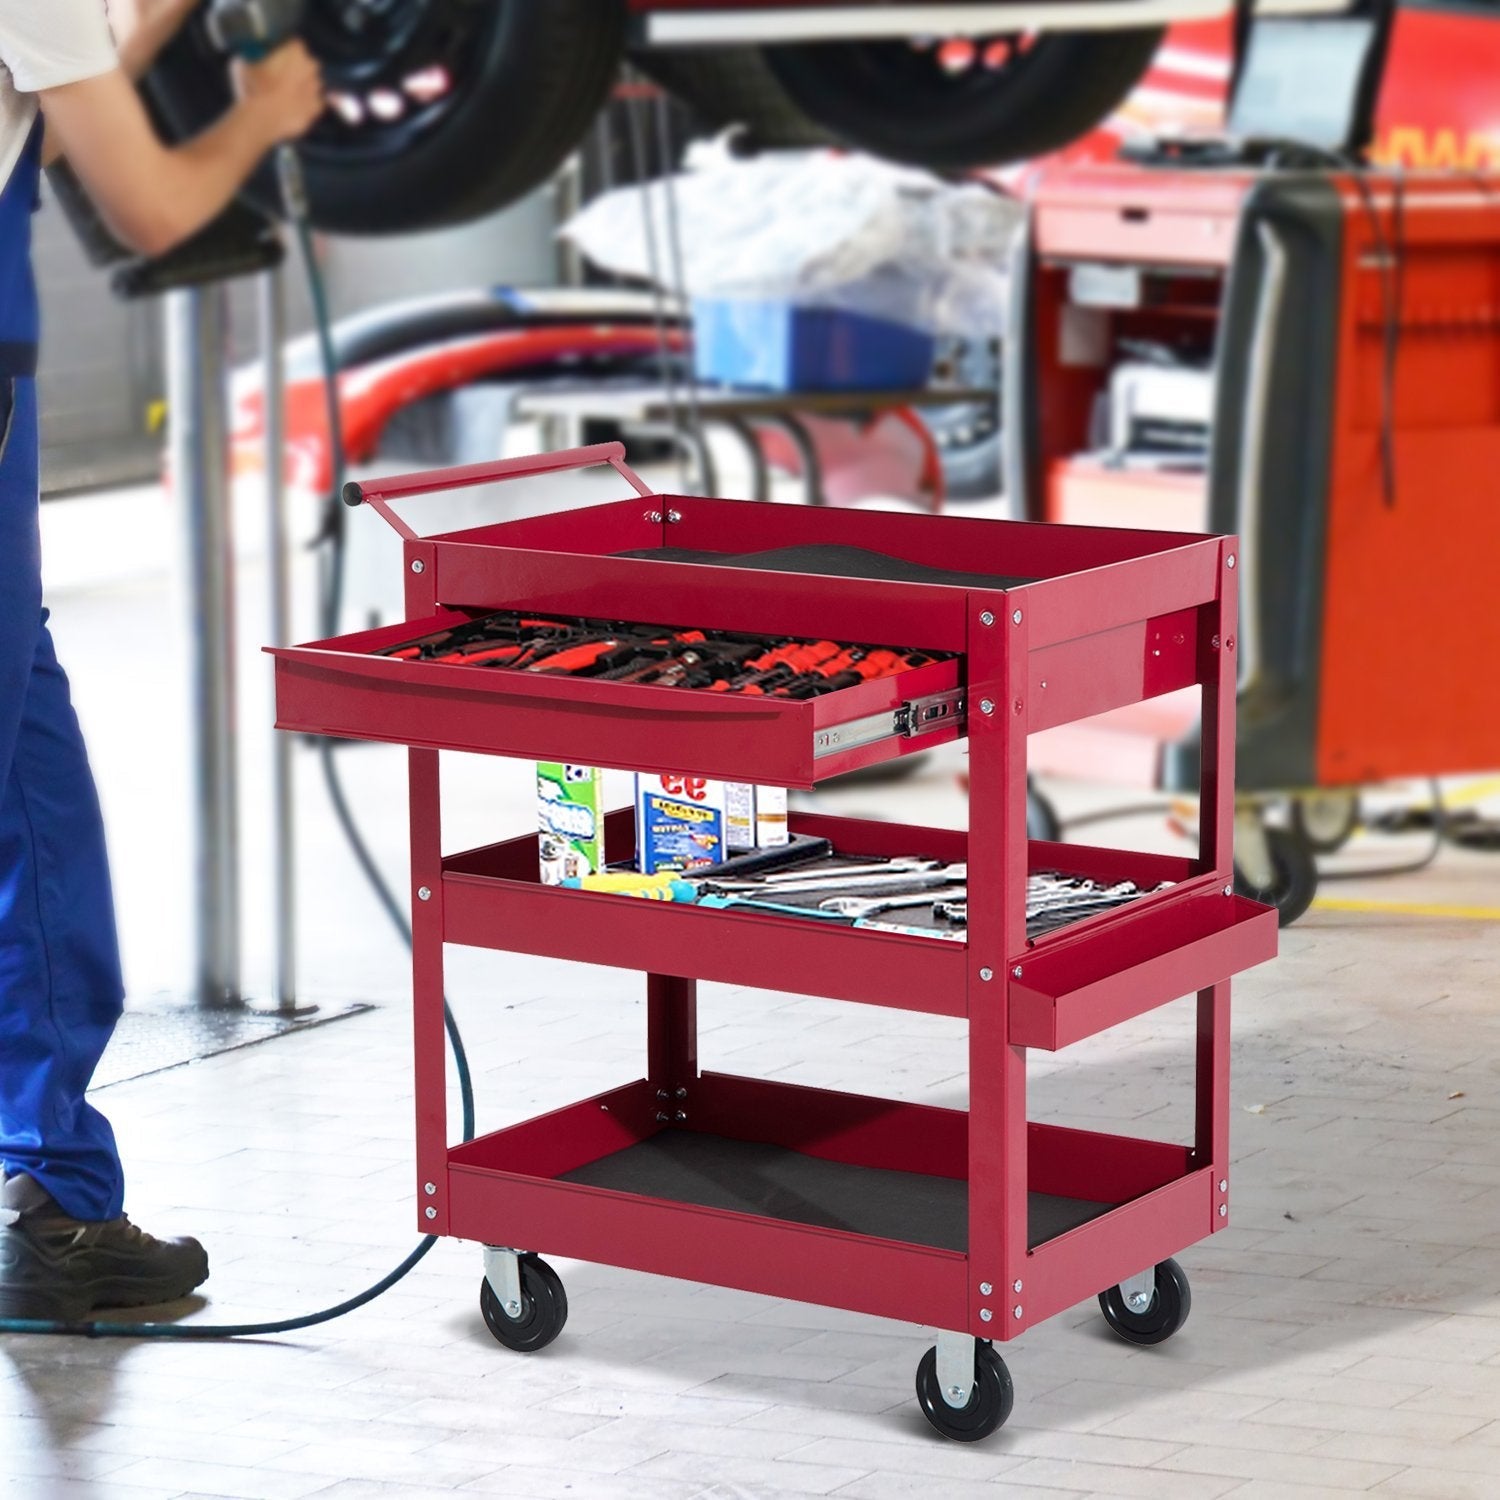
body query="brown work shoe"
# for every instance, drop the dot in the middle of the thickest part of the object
(60, 1269)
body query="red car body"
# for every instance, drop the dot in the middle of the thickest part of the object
(1438, 109)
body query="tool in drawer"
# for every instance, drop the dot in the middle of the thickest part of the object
(660, 655)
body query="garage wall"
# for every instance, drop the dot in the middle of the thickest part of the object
(102, 365)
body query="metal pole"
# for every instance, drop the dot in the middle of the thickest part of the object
(196, 332)
(283, 793)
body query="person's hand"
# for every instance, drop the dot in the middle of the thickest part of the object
(285, 91)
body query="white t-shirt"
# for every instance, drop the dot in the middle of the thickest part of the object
(43, 45)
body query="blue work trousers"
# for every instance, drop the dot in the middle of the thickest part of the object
(60, 986)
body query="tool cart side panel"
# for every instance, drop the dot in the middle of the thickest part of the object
(1120, 593)
(1175, 948)
(1105, 1251)
(826, 1267)
(699, 596)
(966, 544)
(1091, 675)
(1101, 1168)
(565, 1139)
(731, 947)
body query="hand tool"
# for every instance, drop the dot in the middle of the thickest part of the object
(858, 664)
(645, 887)
(853, 906)
(574, 659)
(832, 882)
(253, 29)
(802, 848)
(686, 885)
(791, 659)
(883, 867)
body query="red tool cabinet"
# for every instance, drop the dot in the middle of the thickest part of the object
(979, 1223)
(1351, 325)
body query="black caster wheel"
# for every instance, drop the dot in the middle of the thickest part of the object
(1326, 821)
(989, 1402)
(1042, 821)
(1167, 1311)
(544, 1308)
(1294, 881)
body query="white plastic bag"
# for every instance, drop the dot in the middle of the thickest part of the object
(818, 228)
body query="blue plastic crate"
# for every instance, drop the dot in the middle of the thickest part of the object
(780, 346)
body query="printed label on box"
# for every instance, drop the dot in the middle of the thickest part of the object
(739, 816)
(679, 822)
(570, 821)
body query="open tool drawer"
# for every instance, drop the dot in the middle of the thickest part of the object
(340, 687)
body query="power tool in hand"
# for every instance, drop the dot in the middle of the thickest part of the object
(252, 30)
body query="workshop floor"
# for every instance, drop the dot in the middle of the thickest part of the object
(1345, 1334)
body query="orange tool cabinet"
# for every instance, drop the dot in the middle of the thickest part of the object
(979, 1223)
(1352, 324)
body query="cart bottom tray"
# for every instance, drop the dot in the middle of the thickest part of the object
(711, 1171)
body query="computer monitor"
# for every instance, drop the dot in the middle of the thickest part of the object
(1310, 79)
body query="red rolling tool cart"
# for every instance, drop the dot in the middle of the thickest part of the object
(1306, 359)
(980, 1224)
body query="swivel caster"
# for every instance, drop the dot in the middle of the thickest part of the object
(1042, 821)
(1325, 821)
(1151, 1307)
(989, 1398)
(1289, 877)
(530, 1307)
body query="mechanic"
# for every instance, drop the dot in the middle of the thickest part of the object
(65, 1245)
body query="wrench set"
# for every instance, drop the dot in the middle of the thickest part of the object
(931, 897)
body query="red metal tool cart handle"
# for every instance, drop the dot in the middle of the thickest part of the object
(376, 492)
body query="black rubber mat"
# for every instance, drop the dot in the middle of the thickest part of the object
(748, 1177)
(837, 562)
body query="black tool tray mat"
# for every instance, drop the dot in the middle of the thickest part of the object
(749, 1177)
(833, 561)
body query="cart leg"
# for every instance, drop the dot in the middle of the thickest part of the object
(1211, 1135)
(428, 1041)
(672, 1042)
(955, 1367)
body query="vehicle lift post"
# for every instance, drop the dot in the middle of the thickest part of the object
(197, 350)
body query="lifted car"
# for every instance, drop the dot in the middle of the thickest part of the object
(442, 110)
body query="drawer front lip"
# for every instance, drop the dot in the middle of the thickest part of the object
(338, 688)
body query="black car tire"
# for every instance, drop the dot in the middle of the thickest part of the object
(876, 96)
(533, 78)
(728, 86)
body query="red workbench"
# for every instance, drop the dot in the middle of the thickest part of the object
(978, 1223)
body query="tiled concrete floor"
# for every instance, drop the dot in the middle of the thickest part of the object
(1345, 1335)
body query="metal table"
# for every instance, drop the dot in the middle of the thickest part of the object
(655, 408)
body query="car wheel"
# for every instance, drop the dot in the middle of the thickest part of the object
(951, 105)
(728, 86)
(439, 110)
